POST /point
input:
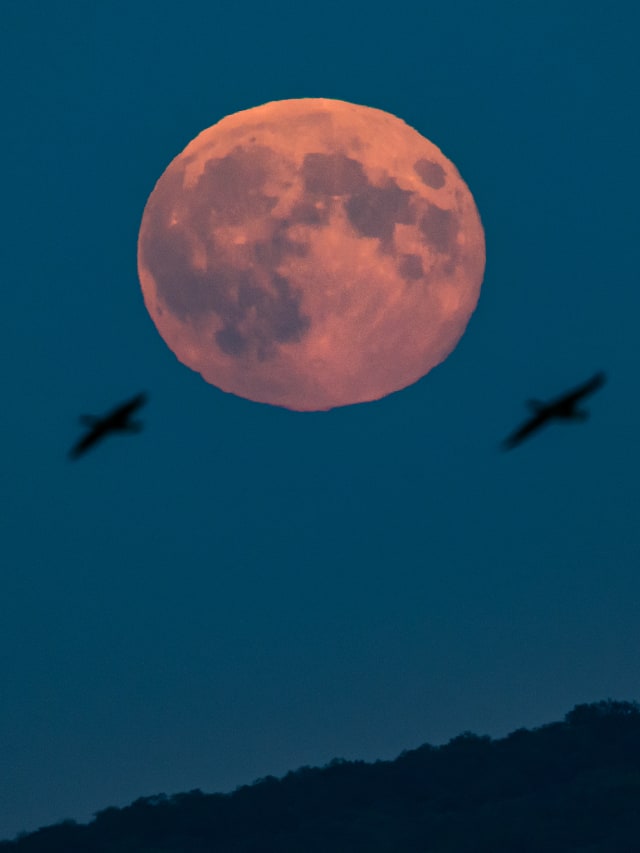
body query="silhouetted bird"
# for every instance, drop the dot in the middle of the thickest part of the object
(118, 420)
(563, 408)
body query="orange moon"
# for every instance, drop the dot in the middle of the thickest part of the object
(311, 253)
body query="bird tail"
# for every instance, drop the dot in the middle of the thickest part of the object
(579, 415)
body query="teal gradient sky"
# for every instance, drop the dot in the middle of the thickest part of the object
(242, 589)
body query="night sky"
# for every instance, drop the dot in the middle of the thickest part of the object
(241, 589)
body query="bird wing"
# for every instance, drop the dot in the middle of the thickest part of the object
(589, 387)
(121, 414)
(94, 435)
(526, 429)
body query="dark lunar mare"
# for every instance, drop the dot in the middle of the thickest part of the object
(257, 313)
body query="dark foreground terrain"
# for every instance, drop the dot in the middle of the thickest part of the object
(563, 787)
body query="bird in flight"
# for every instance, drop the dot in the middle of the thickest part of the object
(562, 408)
(118, 420)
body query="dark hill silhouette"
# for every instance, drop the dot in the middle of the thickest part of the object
(564, 787)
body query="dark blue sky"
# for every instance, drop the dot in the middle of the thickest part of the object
(242, 589)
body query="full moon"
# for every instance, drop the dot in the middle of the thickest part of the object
(311, 253)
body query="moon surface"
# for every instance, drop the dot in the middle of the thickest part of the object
(311, 253)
